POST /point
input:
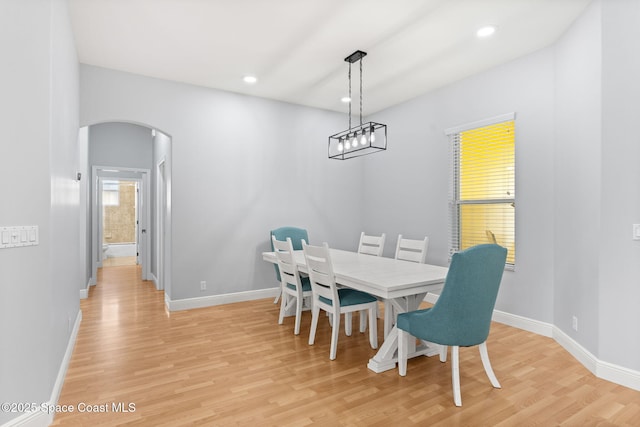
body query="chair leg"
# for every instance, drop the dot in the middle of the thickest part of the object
(403, 344)
(363, 321)
(335, 332)
(283, 307)
(348, 326)
(484, 355)
(315, 313)
(455, 374)
(373, 327)
(443, 353)
(296, 330)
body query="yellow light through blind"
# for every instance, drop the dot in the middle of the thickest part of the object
(486, 192)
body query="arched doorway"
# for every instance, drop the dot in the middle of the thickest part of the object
(124, 150)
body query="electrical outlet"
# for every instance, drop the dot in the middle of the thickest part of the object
(574, 323)
(203, 285)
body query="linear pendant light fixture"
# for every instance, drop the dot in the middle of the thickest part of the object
(366, 138)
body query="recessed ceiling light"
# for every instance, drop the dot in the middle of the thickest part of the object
(345, 99)
(250, 79)
(486, 31)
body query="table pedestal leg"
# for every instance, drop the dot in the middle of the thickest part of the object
(387, 356)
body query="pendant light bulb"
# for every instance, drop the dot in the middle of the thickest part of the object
(347, 144)
(363, 139)
(372, 138)
(340, 146)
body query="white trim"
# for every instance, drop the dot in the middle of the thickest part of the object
(84, 293)
(583, 355)
(524, 323)
(604, 370)
(213, 300)
(152, 277)
(62, 372)
(140, 175)
(30, 419)
(39, 418)
(618, 374)
(480, 123)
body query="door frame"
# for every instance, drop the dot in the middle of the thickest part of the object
(161, 223)
(98, 173)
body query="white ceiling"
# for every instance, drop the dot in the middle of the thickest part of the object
(296, 48)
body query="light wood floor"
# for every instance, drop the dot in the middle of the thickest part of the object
(117, 261)
(234, 365)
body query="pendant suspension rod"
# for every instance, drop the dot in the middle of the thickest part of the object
(360, 91)
(350, 101)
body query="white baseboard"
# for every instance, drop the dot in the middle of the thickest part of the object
(84, 293)
(154, 279)
(576, 350)
(601, 369)
(41, 418)
(31, 419)
(524, 323)
(213, 300)
(618, 374)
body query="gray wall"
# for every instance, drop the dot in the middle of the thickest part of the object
(241, 166)
(407, 187)
(578, 152)
(619, 274)
(576, 177)
(38, 284)
(125, 145)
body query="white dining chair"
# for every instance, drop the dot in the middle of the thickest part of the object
(406, 250)
(297, 236)
(412, 250)
(293, 287)
(371, 245)
(327, 297)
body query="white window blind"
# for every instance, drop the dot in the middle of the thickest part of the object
(110, 193)
(482, 190)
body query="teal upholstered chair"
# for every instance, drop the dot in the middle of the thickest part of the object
(296, 235)
(462, 315)
(334, 301)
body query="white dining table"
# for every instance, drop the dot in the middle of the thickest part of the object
(404, 284)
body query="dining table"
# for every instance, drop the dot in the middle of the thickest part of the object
(402, 283)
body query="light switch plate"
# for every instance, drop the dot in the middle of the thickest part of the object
(636, 231)
(17, 236)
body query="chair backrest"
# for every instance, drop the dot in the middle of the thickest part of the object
(468, 297)
(296, 235)
(286, 262)
(320, 269)
(490, 236)
(412, 250)
(371, 245)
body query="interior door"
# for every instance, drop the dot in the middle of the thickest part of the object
(139, 228)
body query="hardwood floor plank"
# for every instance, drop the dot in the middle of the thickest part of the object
(234, 365)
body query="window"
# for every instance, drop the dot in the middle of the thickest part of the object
(110, 193)
(482, 193)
